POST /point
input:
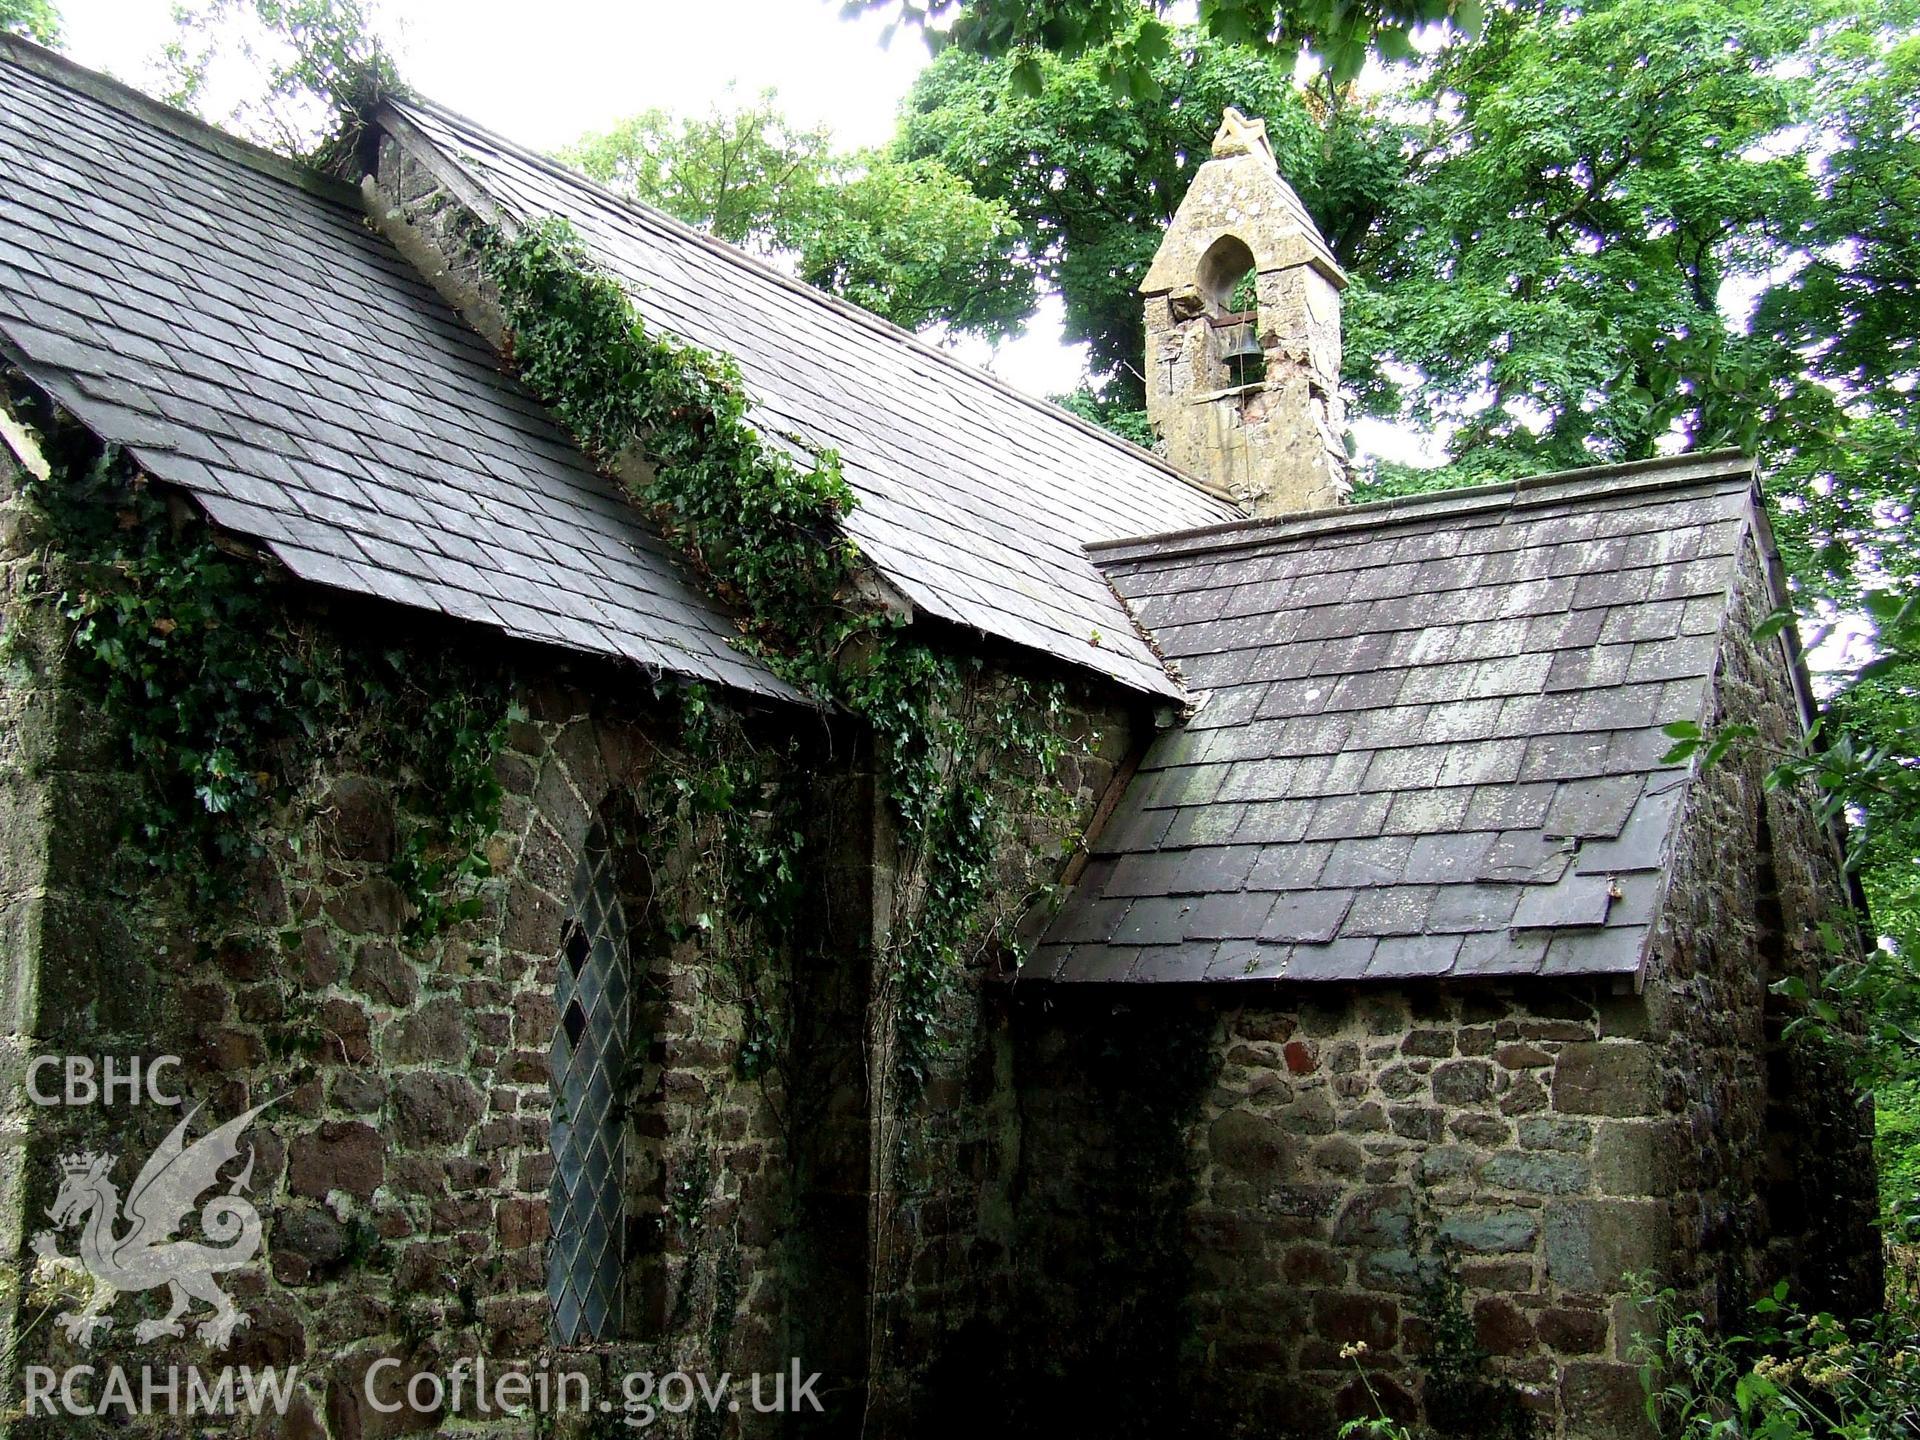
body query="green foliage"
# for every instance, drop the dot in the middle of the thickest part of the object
(746, 175)
(764, 533)
(1463, 1402)
(1129, 37)
(309, 71)
(224, 700)
(758, 527)
(908, 240)
(1123, 420)
(1595, 233)
(36, 19)
(1794, 1376)
(1093, 183)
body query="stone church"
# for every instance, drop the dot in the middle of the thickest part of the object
(1379, 1011)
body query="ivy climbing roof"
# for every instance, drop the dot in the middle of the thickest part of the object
(1430, 742)
(232, 322)
(976, 502)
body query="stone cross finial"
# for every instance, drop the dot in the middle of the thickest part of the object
(1238, 135)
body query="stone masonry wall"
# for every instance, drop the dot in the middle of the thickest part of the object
(1768, 1141)
(1218, 1194)
(1327, 1149)
(402, 1171)
(942, 1224)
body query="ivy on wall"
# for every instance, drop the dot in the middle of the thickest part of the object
(957, 764)
(223, 699)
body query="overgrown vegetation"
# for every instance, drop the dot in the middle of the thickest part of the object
(1787, 1375)
(960, 754)
(224, 699)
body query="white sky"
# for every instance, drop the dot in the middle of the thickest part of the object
(584, 64)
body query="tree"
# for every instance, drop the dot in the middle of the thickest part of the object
(36, 19)
(1595, 232)
(1131, 39)
(308, 72)
(904, 238)
(1093, 183)
(745, 174)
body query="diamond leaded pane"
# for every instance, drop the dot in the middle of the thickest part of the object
(587, 1059)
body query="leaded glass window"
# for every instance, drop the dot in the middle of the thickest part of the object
(586, 1256)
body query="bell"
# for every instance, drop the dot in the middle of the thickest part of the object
(1246, 361)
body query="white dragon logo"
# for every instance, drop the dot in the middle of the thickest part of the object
(147, 1255)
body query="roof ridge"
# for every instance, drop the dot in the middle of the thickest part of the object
(182, 124)
(1624, 477)
(877, 323)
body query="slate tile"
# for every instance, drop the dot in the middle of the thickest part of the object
(1097, 964)
(1271, 822)
(1335, 774)
(1483, 762)
(1306, 916)
(1212, 824)
(1439, 683)
(1446, 858)
(1603, 665)
(1343, 959)
(1338, 817)
(1513, 675)
(1615, 950)
(1092, 919)
(1299, 696)
(1173, 964)
(1461, 719)
(1476, 907)
(1593, 809)
(1405, 957)
(1154, 920)
(1247, 960)
(1410, 768)
(1211, 868)
(1674, 659)
(1509, 807)
(1145, 873)
(1392, 910)
(1525, 857)
(1258, 779)
(1425, 812)
(1641, 843)
(1289, 866)
(1577, 900)
(1565, 757)
(1132, 829)
(1234, 915)
(1046, 962)
(1379, 860)
(1640, 752)
(1500, 952)
(1365, 690)
(1616, 587)
(1569, 630)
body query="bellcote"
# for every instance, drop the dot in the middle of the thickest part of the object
(1243, 334)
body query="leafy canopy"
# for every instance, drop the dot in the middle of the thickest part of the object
(36, 19)
(1094, 183)
(905, 238)
(1131, 38)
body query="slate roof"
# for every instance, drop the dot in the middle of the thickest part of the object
(1430, 743)
(232, 322)
(975, 501)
